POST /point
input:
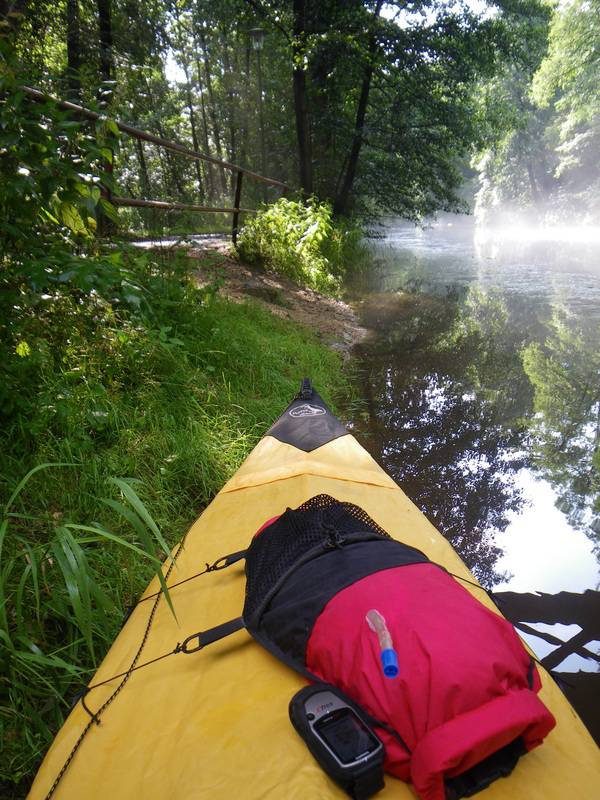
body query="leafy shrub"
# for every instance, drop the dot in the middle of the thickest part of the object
(51, 174)
(298, 241)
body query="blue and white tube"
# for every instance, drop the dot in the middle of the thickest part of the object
(389, 657)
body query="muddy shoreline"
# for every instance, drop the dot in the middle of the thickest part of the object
(333, 321)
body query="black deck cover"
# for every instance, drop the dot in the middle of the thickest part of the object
(307, 423)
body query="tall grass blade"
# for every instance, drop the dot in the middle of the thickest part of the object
(102, 533)
(35, 580)
(142, 511)
(75, 581)
(26, 479)
(137, 521)
(18, 609)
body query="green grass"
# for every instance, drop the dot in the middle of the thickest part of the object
(143, 416)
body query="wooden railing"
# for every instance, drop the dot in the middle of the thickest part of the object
(235, 210)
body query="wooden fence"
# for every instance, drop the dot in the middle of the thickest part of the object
(235, 210)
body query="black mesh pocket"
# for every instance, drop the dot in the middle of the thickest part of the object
(321, 521)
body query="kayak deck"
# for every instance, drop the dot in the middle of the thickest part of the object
(214, 723)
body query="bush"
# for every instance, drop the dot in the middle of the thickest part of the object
(51, 175)
(298, 241)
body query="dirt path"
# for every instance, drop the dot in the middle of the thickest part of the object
(333, 321)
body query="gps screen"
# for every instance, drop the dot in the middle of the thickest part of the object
(346, 735)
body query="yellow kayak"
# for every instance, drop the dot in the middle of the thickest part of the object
(213, 723)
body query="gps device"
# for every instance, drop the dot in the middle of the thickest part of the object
(339, 737)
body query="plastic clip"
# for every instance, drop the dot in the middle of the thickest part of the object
(185, 648)
(220, 563)
(226, 561)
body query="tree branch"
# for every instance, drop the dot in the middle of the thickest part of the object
(265, 15)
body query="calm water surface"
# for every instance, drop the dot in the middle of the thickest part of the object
(483, 387)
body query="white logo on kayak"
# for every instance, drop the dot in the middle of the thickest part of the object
(306, 410)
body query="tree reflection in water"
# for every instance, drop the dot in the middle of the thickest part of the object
(565, 374)
(460, 398)
(447, 402)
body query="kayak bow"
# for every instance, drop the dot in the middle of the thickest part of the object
(214, 723)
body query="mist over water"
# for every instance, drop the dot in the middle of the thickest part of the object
(483, 387)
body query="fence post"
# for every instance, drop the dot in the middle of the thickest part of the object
(236, 206)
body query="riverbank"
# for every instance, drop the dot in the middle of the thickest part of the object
(331, 320)
(143, 409)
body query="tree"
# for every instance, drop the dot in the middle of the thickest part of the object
(393, 95)
(545, 116)
(73, 50)
(343, 195)
(515, 165)
(567, 83)
(370, 106)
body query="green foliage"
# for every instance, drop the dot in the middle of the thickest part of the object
(422, 62)
(547, 121)
(515, 161)
(57, 610)
(50, 174)
(298, 241)
(569, 74)
(567, 84)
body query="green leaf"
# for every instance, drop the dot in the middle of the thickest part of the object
(109, 210)
(70, 217)
(75, 583)
(112, 537)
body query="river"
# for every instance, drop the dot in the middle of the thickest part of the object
(483, 394)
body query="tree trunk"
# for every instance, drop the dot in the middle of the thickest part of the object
(245, 114)
(228, 80)
(190, 105)
(170, 161)
(150, 218)
(106, 42)
(341, 203)
(73, 52)
(209, 167)
(212, 110)
(106, 74)
(144, 180)
(303, 134)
